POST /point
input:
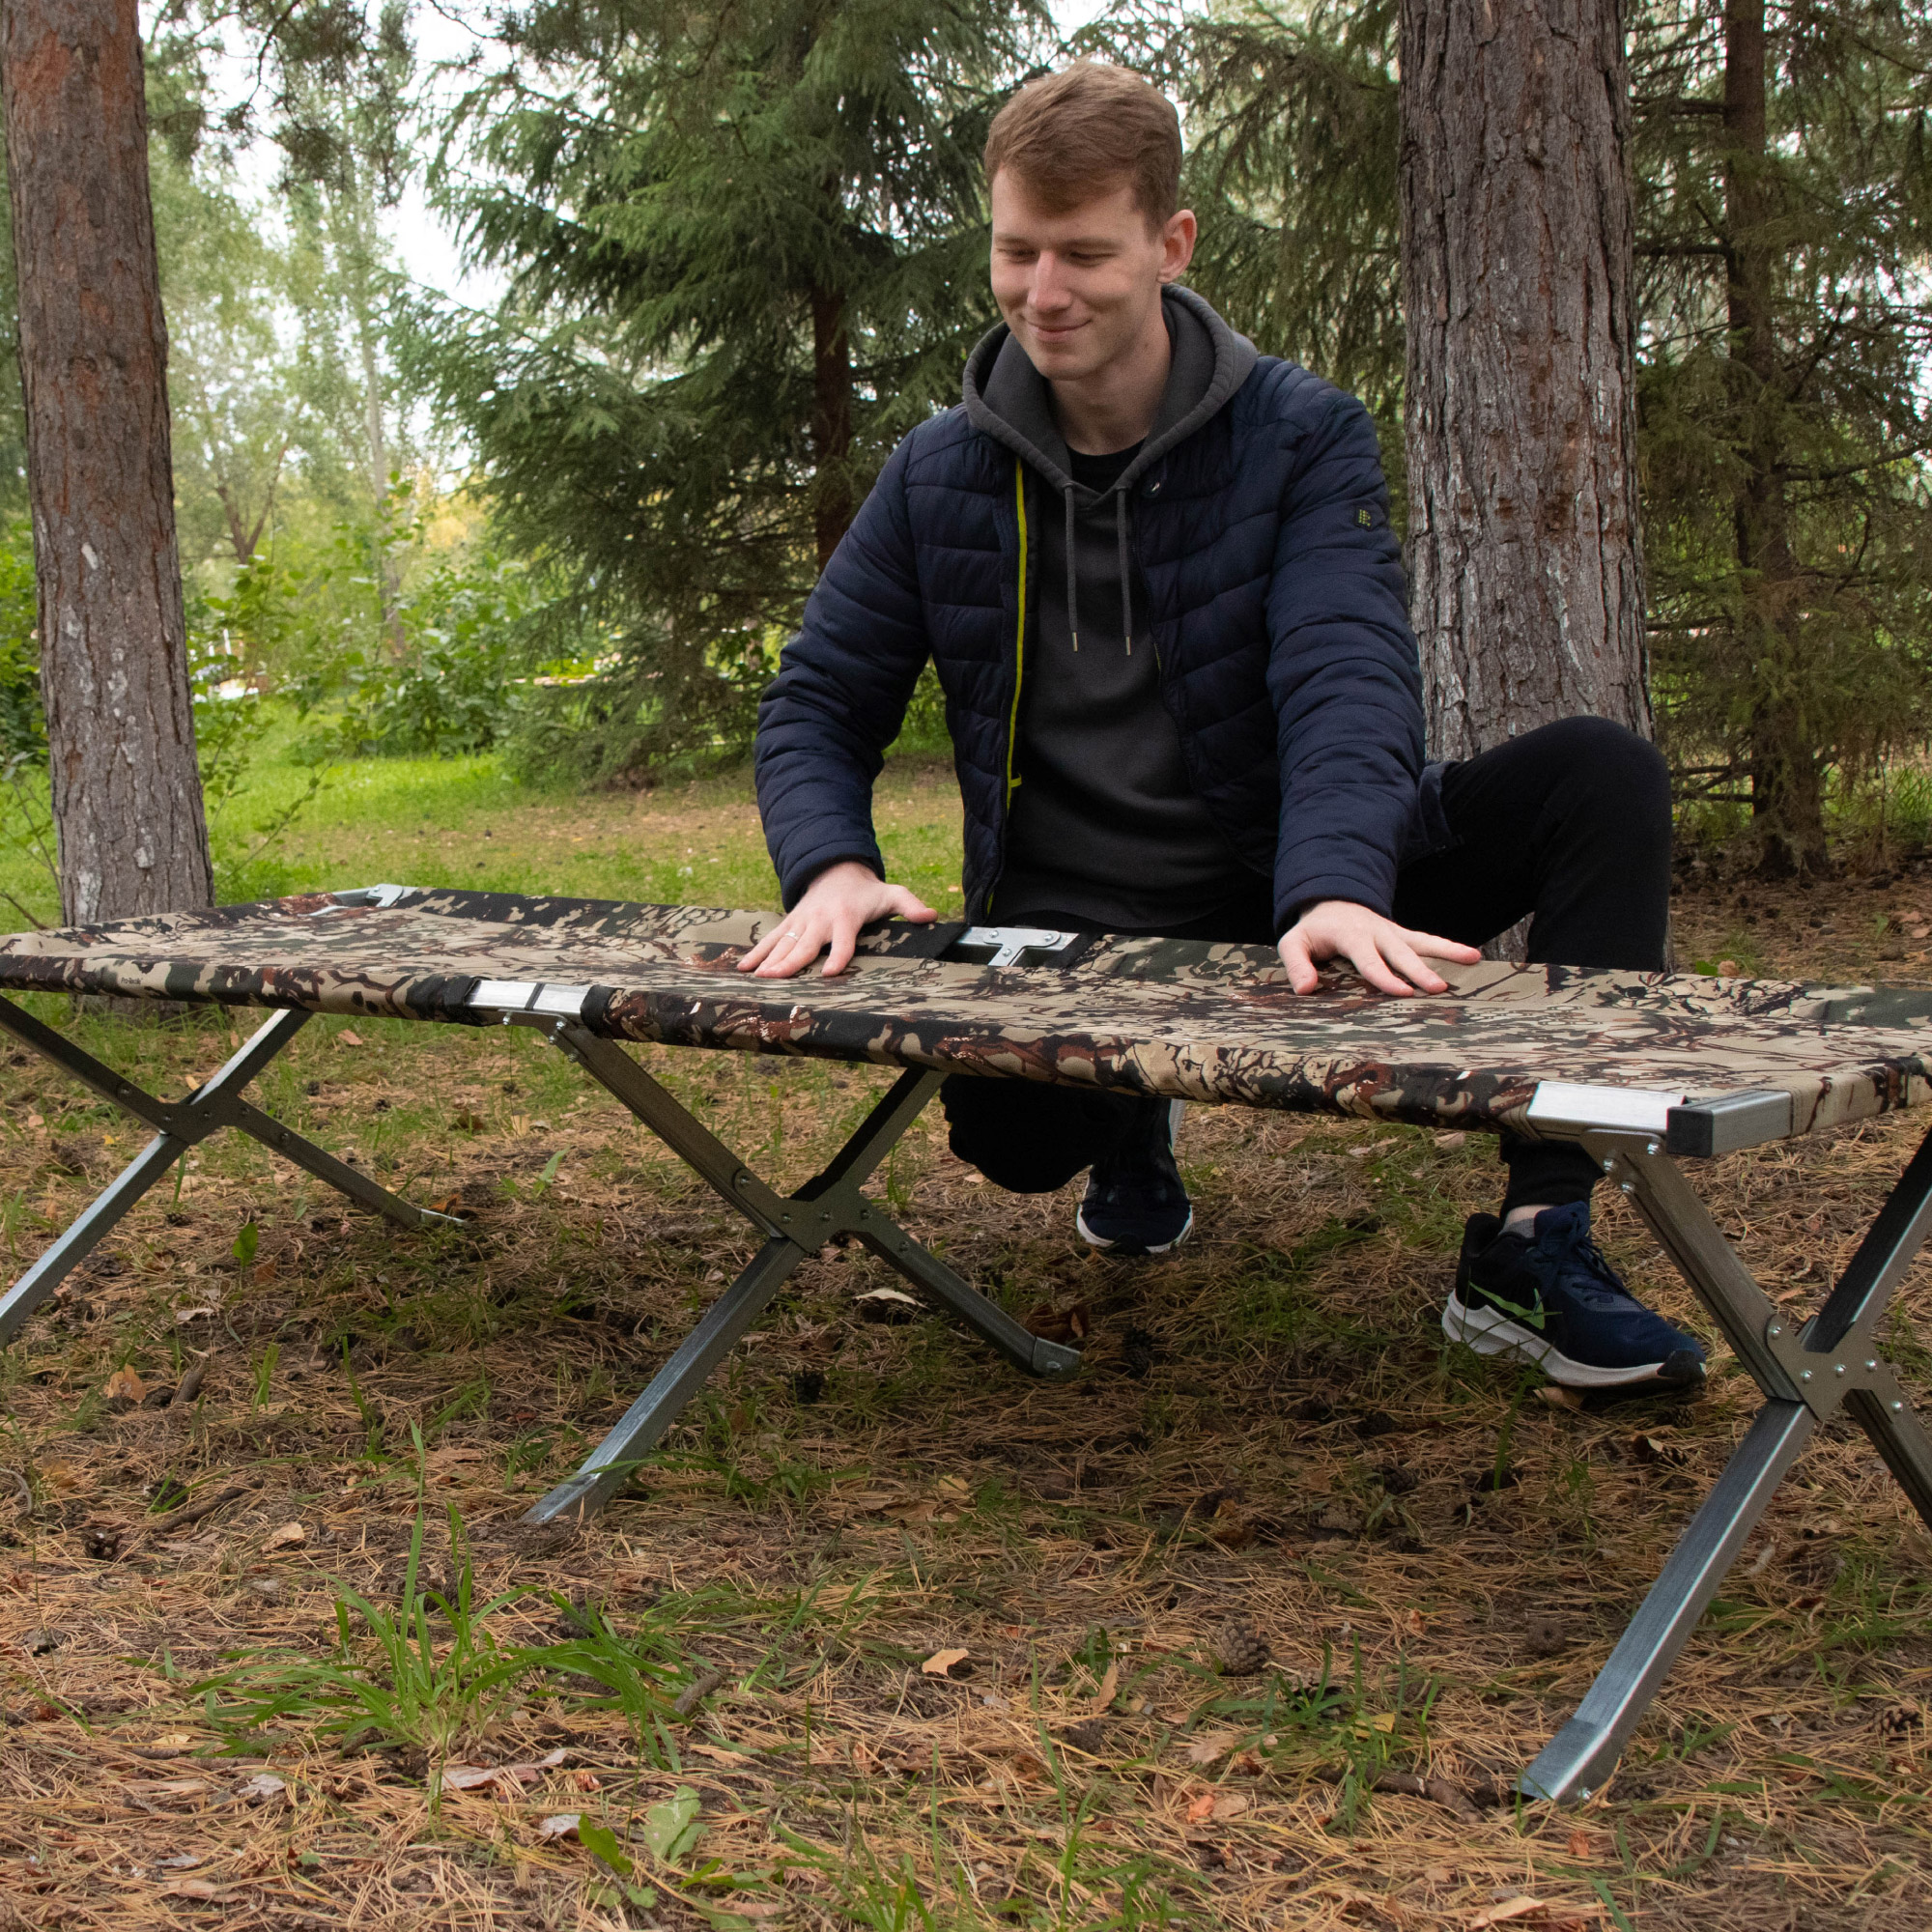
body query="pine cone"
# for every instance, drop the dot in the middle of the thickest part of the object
(1242, 1648)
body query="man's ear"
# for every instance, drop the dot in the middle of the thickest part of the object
(1177, 244)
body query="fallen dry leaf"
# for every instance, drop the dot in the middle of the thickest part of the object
(1211, 1745)
(198, 1888)
(463, 1777)
(1412, 1623)
(1581, 1845)
(263, 1785)
(1437, 1874)
(1200, 1810)
(1059, 1325)
(944, 1663)
(559, 1825)
(886, 1305)
(125, 1383)
(346, 1038)
(1110, 1683)
(1525, 1907)
(286, 1537)
(1558, 1397)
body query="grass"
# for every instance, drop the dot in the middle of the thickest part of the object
(1269, 1429)
(465, 822)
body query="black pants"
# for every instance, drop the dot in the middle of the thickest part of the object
(1570, 824)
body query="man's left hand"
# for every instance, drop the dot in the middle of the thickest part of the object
(1389, 957)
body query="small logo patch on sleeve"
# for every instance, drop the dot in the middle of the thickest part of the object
(1365, 516)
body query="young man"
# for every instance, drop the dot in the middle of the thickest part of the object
(1155, 573)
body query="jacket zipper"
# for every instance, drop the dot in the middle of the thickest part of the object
(1019, 650)
(984, 910)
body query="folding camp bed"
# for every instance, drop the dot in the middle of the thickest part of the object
(1639, 1068)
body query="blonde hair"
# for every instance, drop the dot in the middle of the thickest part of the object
(1086, 130)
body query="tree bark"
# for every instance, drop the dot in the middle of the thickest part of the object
(1787, 790)
(1525, 544)
(126, 793)
(831, 504)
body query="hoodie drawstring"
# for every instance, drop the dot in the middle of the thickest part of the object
(1073, 572)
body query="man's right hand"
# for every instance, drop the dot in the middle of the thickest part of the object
(837, 903)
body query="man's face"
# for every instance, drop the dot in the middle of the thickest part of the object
(1078, 289)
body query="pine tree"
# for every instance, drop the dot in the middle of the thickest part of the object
(1782, 191)
(93, 355)
(748, 253)
(1785, 215)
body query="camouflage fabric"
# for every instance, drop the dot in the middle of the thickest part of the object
(1205, 1023)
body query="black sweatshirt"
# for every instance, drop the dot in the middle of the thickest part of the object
(1106, 825)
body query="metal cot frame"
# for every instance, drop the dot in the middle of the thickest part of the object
(1809, 1372)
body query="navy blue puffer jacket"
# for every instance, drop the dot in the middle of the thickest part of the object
(1275, 602)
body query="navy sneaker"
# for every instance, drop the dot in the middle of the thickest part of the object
(1135, 1204)
(1547, 1297)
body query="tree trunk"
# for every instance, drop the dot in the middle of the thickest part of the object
(1787, 791)
(126, 793)
(831, 504)
(1524, 542)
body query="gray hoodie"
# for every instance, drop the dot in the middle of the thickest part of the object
(1104, 827)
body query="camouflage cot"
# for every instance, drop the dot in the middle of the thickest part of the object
(1640, 1069)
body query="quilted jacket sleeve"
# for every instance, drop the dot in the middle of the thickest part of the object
(840, 694)
(1343, 670)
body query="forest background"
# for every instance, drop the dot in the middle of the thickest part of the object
(730, 257)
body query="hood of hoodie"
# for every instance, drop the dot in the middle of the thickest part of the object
(1008, 398)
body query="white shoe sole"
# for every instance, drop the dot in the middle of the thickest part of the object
(1491, 1333)
(1175, 1109)
(1094, 1240)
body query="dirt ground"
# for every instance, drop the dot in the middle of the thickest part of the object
(1252, 1622)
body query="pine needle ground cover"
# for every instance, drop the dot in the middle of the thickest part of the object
(1248, 1627)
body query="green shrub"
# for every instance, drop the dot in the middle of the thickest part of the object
(23, 727)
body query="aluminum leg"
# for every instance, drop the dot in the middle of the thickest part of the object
(1807, 1375)
(986, 1318)
(86, 1232)
(642, 1426)
(1899, 1437)
(1585, 1753)
(180, 1124)
(831, 1203)
(794, 1226)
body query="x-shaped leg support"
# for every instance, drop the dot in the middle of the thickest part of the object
(794, 1227)
(179, 1125)
(1808, 1373)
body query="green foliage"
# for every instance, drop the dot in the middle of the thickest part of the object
(1292, 163)
(23, 729)
(450, 688)
(736, 282)
(671, 1829)
(401, 1684)
(1788, 525)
